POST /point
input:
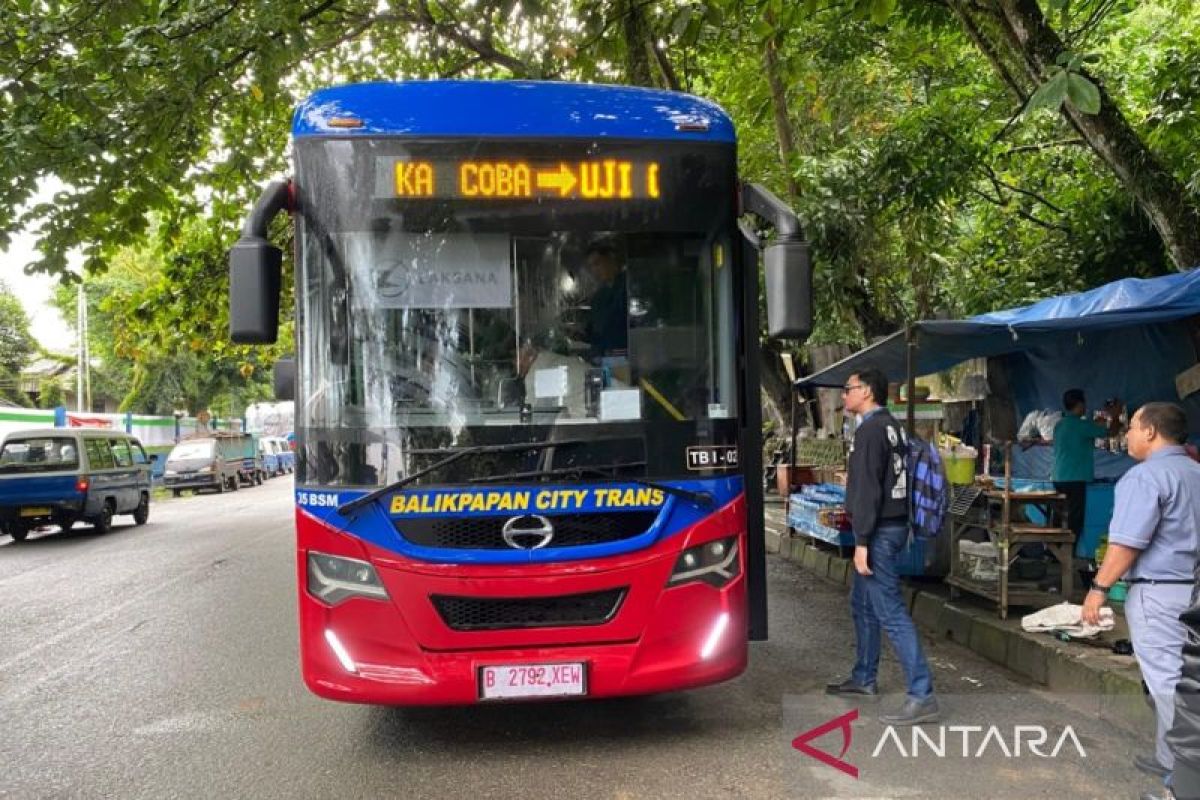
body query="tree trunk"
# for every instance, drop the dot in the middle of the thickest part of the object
(637, 39)
(776, 388)
(1159, 193)
(779, 105)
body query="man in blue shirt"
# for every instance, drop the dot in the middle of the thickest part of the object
(1153, 541)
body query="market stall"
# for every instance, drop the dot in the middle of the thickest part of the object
(1135, 339)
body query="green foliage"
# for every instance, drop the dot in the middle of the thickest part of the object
(927, 184)
(157, 323)
(50, 394)
(1066, 82)
(16, 344)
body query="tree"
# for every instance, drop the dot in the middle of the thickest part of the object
(1041, 70)
(50, 394)
(946, 156)
(16, 344)
(153, 328)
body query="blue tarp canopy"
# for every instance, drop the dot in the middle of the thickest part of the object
(1125, 339)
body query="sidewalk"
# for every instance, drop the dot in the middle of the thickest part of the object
(1112, 682)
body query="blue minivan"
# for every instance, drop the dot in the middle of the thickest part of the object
(60, 476)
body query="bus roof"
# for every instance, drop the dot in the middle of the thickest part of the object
(512, 109)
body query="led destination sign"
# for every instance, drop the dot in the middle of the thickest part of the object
(499, 179)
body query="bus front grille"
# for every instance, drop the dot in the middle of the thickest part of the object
(486, 533)
(496, 613)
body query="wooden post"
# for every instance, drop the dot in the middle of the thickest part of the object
(1005, 530)
(910, 339)
(789, 367)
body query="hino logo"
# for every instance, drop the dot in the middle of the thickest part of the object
(528, 532)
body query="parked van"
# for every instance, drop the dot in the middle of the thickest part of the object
(60, 476)
(268, 451)
(217, 461)
(287, 459)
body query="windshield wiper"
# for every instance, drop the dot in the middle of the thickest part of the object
(701, 499)
(347, 508)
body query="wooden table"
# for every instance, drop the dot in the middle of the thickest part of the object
(997, 513)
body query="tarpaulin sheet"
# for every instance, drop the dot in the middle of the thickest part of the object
(1126, 339)
(1043, 326)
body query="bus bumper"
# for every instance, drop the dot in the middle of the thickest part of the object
(391, 669)
(399, 652)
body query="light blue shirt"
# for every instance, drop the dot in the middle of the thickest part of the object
(1157, 511)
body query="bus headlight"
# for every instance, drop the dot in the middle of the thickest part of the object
(715, 563)
(332, 579)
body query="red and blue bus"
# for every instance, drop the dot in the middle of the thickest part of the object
(527, 416)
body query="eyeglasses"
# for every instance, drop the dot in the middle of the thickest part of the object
(850, 387)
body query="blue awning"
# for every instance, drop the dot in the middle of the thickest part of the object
(943, 343)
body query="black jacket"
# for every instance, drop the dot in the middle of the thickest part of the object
(877, 489)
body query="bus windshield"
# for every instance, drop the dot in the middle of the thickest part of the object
(421, 333)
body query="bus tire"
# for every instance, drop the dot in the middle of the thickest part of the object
(103, 523)
(142, 512)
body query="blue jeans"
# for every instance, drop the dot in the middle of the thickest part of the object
(877, 603)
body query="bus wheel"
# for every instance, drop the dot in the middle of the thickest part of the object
(18, 531)
(142, 512)
(103, 523)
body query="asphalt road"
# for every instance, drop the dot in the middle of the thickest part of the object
(161, 661)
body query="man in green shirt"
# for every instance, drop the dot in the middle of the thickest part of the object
(1074, 454)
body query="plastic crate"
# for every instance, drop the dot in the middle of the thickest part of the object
(803, 507)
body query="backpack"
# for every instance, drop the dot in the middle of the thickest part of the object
(928, 491)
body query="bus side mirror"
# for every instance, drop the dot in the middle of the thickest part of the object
(787, 267)
(285, 379)
(255, 268)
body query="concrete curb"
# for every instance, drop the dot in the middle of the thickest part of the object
(1113, 681)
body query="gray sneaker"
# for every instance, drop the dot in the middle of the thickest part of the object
(914, 712)
(1165, 794)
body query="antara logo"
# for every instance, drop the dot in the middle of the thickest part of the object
(841, 723)
(943, 741)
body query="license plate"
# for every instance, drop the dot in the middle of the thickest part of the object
(532, 680)
(35, 511)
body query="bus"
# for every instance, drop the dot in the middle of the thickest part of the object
(526, 387)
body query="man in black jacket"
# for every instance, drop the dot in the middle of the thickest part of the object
(877, 502)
